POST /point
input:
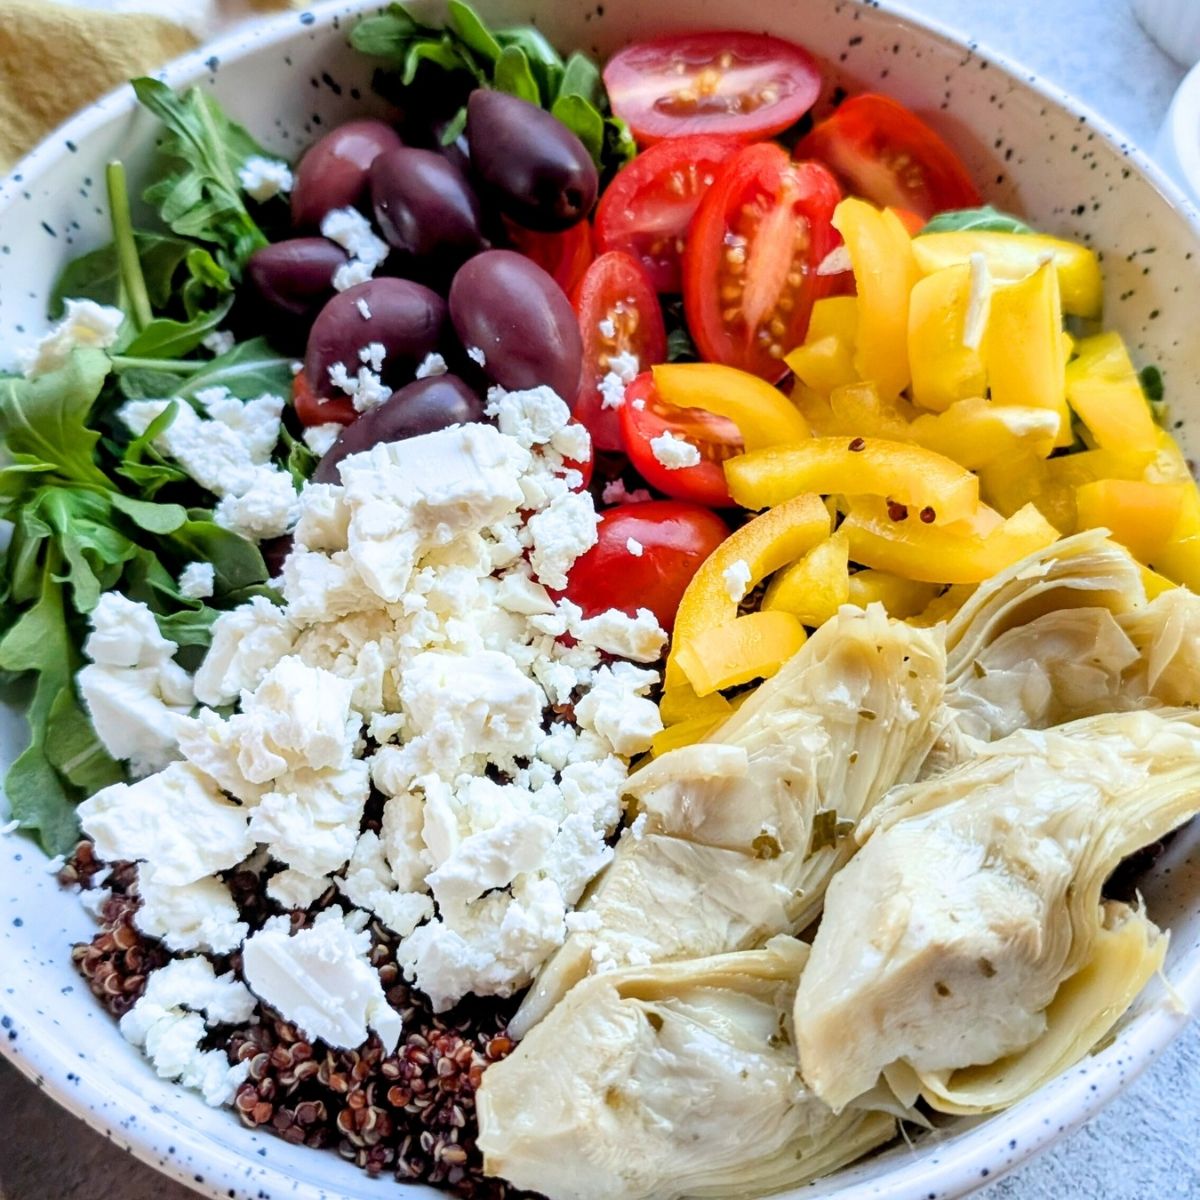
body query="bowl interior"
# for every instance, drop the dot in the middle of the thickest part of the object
(291, 79)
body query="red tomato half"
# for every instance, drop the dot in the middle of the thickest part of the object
(312, 410)
(675, 538)
(647, 208)
(888, 155)
(750, 267)
(745, 84)
(563, 256)
(645, 417)
(618, 314)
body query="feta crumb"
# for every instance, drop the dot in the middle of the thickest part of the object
(351, 274)
(736, 578)
(9, 827)
(294, 889)
(624, 366)
(197, 580)
(85, 323)
(615, 492)
(640, 638)
(320, 438)
(836, 261)
(373, 354)
(219, 342)
(615, 708)
(200, 915)
(639, 404)
(352, 231)
(364, 309)
(264, 178)
(476, 355)
(533, 417)
(979, 302)
(635, 547)
(365, 388)
(561, 533)
(607, 328)
(432, 364)
(674, 452)
(266, 509)
(612, 391)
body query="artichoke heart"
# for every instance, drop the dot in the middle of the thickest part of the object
(1064, 634)
(673, 1080)
(965, 948)
(726, 856)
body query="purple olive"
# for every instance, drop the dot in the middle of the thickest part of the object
(423, 407)
(296, 277)
(534, 168)
(424, 205)
(507, 307)
(408, 320)
(334, 171)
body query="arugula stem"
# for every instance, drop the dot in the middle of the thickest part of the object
(176, 366)
(127, 255)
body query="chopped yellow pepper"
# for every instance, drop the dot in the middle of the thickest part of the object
(814, 588)
(763, 414)
(900, 597)
(1167, 465)
(858, 410)
(910, 475)
(1179, 559)
(1104, 391)
(1141, 516)
(880, 250)
(765, 544)
(1023, 350)
(943, 607)
(826, 360)
(947, 315)
(746, 648)
(680, 704)
(686, 733)
(977, 432)
(1014, 255)
(1155, 584)
(967, 552)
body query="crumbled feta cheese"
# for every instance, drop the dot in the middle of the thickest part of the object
(191, 916)
(264, 178)
(369, 884)
(246, 643)
(640, 638)
(615, 708)
(432, 364)
(364, 309)
(320, 438)
(519, 593)
(177, 823)
(532, 417)
(612, 391)
(635, 547)
(373, 354)
(737, 578)
(561, 533)
(615, 492)
(266, 509)
(324, 519)
(197, 580)
(219, 342)
(476, 355)
(607, 328)
(256, 422)
(624, 366)
(674, 452)
(365, 388)
(836, 262)
(294, 889)
(639, 404)
(351, 274)
(352, 231)
(86, 323)
(321, 979)
(492, 858)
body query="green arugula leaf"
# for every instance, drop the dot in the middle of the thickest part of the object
(976, 220)
(93, 549)
(46, 418)
(300, 462)
(237, 561)
(544, 61)
(73, 748)
(465, 22)
(248, 370)
(150, 517)
(514, 76)
(97, 275)
(150, 477)
(167, 338)
(581, 77)
(386, 35)
(583, 119)
(205, 277)
(197, 191)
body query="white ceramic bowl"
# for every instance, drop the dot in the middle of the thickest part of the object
(1178, 143)
(1031, 148)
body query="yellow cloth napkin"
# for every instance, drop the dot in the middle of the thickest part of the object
(55, 59)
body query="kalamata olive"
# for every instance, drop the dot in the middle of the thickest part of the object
(276, 550)
(333, 172)
(456, 151)
(537, 171)
(424, 205)
(505, 306)
(296, 277)
(406, 319)
(421, 407)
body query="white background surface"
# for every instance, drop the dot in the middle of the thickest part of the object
(1144, 1147)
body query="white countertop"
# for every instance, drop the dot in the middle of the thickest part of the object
(1141, 1148)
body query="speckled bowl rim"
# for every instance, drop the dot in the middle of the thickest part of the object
(977, 1158)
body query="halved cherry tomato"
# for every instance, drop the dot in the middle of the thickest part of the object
(746, 84)
(888, 155)
(563, 256)
(750, 267)
(647, 208)
(674, 539)
(312, 410)
(618, 314)
(645, 417)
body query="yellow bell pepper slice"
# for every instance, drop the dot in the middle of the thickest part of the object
(858, 410)
(1022, 349)
(1104, 391)
(746, 648)
(1012, 256)
(977, 432)
(765, 544)
(1141, 516)
(1155, 584)
(826, 359)
(763, 414)
(947, 316)
(1179, 559)
(885, 271)
(944, 606)
(814, 588)
(899, 596)
(968, 552)
(910, 475)
(680, 704)
(686, 733)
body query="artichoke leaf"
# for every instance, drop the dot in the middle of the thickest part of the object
(976, 895)
(666, 1081)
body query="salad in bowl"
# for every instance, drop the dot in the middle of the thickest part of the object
(600, 634)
